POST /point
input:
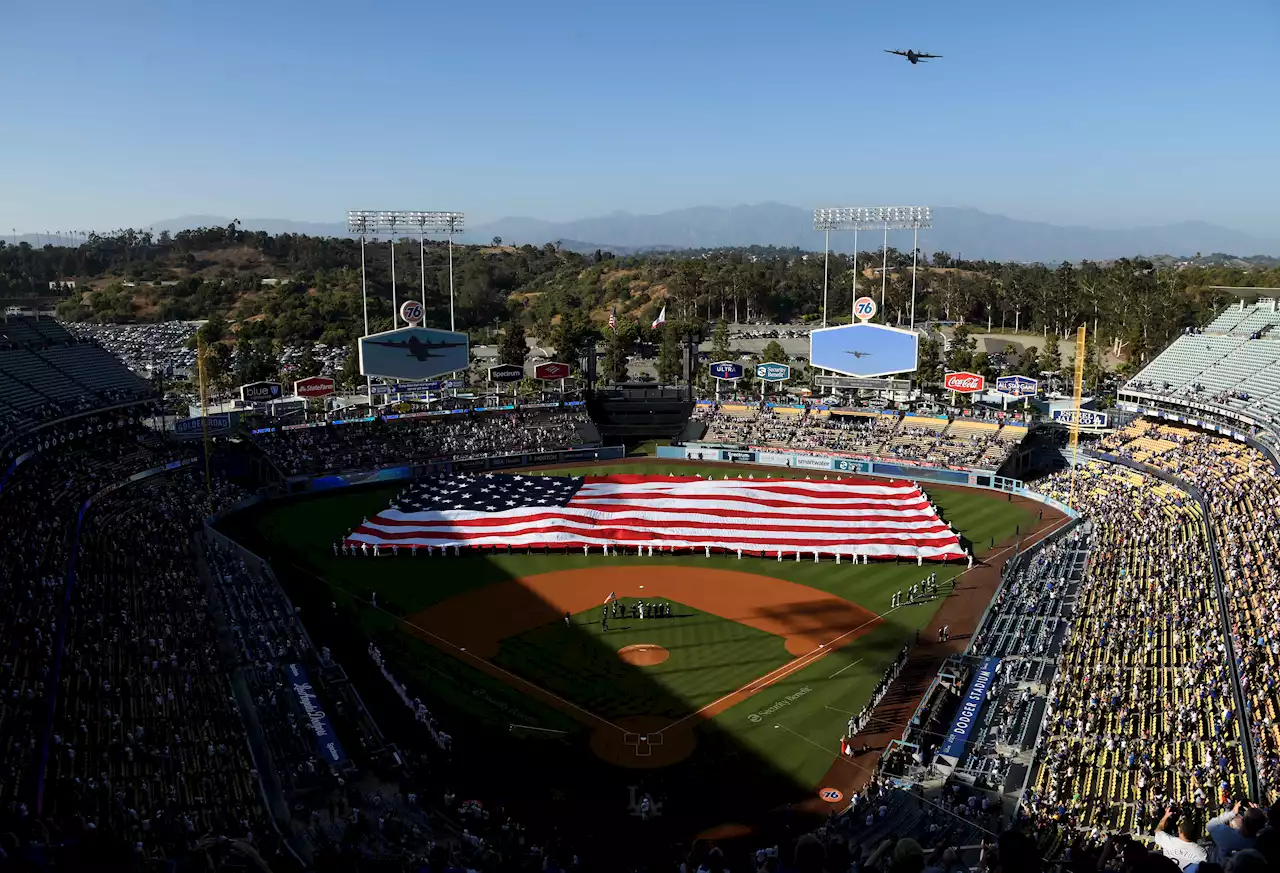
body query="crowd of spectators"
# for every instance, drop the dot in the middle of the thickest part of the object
(382, 443)
(948, 441)
(1143, 712)
(1242, 488)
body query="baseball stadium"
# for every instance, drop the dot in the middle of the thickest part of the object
(461, 613)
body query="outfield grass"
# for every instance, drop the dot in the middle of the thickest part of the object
(709, 658)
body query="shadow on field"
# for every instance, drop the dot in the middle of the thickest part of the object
(513, 744)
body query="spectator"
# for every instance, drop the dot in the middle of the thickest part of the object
(1236, 829)
(1185, 848)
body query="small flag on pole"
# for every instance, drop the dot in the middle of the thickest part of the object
(613, 319)
(613, 595)
(661, 319)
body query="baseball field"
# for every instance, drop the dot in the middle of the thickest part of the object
(746, 681)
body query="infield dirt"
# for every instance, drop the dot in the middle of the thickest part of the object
(813, 623)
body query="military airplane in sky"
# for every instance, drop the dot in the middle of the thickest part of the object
(417, 348)
(860, 354)
(913, 56)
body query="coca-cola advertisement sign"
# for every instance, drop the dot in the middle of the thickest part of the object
(965, 383)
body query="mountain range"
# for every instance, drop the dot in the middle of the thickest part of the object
(961, 231)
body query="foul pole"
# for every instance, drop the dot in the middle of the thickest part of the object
(1077, 391)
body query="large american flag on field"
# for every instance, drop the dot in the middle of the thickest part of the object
(879, 519)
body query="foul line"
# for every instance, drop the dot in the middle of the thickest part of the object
(813, 656)
(460, 651)
(810, 657)
(506, 673)
(845, 667)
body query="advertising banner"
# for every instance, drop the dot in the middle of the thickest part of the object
(847, 465)
(218, 424)
(413, 353)
(261, 392)
(809, 462)
(970, 707)
(326, 741)
(406, 388)
(726, 370)
(738, 457)
(964, 383)
(1088, 418)
(452, 384)
(313, 386)
(773, 372)
(773, 459)
(1017, 386)
(506, 373)
(551, 371)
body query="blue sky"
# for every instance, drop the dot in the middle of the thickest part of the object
(1116, 113)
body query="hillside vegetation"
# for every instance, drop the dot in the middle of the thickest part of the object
(293, 288)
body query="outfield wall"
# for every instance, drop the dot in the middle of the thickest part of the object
(303, 484)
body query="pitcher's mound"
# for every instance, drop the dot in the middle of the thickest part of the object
(643, 655)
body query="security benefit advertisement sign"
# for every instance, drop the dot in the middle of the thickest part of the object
(771, 371)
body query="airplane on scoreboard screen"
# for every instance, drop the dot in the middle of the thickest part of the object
(417, 348)
(913, 56)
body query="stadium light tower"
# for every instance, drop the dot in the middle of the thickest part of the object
(365, 223)
(447, 223)
(391, 219)
(855, 218)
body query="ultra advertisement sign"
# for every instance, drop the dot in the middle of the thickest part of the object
(726, 370)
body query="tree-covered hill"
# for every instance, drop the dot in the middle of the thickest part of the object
(294, 288)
